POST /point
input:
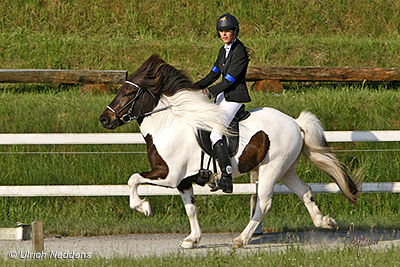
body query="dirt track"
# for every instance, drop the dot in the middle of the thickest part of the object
(137, 245)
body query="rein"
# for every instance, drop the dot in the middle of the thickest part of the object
(127, 117)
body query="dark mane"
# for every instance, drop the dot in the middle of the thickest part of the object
(161, 77)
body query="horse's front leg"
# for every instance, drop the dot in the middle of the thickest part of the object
(155, 178)
(159, 175)
(191, 210)
(135, 202)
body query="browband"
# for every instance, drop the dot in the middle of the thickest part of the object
(134, 84)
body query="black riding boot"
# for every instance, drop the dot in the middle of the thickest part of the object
(225, 183)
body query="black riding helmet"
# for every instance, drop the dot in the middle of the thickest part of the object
(228, 22)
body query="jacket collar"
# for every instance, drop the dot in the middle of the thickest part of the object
(230, 44)
(232, 47)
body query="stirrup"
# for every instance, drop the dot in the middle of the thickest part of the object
(213, 186)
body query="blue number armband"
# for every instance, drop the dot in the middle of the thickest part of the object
(216, 70)
(229, 78)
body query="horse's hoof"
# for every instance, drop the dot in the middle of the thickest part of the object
(146, 208)
(237, 245)
(329, 223)
(188, 244)
(333, 224)
(237, 242)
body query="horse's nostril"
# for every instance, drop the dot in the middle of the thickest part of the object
(103, 119)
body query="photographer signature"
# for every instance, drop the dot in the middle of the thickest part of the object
(361, 241)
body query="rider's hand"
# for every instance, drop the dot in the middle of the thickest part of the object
(207, 93)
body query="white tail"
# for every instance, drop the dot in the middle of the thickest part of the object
(317, 150)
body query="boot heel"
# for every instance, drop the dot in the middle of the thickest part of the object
(226, 184)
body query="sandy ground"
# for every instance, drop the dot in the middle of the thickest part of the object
(137, 245)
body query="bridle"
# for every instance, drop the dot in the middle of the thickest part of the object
(127, 117)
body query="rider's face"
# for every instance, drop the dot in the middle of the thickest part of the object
(227, 36)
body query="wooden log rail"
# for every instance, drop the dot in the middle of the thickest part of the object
(269, 78)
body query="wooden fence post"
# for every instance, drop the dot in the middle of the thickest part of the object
(269, 86)
(37, 237)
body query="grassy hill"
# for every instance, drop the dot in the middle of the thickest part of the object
(102, 34)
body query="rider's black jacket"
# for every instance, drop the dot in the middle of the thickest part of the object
(233, 70)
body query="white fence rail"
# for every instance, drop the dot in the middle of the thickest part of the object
(71, 139)
(135, 138)
(148, 190)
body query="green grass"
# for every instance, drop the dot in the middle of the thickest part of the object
(73, 51)
(181, 18)
(43, 109)
(120, 35)
(292, 256)
(63, 109)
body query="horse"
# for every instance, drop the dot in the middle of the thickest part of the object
(170, 110)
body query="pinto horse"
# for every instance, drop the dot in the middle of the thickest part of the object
(170, 110)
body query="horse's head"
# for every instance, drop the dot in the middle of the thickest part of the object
(142, 91)
(139, 95)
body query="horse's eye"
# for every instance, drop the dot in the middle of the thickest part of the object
(128, 94)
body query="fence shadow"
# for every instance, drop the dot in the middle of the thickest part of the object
(358, 136)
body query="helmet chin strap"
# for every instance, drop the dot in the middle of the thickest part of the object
(232, 41)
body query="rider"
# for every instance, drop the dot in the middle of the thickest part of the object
(229, 93)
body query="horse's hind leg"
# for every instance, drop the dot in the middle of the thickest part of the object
(191, 210)
(303, 191)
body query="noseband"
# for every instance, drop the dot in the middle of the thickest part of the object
(127, 117)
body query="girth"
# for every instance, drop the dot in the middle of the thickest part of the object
(203, 137)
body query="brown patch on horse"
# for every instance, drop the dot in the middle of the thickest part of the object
(254, 152)
(159, 168)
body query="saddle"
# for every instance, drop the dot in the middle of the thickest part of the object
(203, 137)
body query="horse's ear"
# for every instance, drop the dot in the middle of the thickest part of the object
(156, 59)
(150, 65)
(155, 56)
(161, 78)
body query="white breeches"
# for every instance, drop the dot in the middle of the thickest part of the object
(228, 110)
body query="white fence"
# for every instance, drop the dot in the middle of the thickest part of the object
(134, 138)
(148, 190)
